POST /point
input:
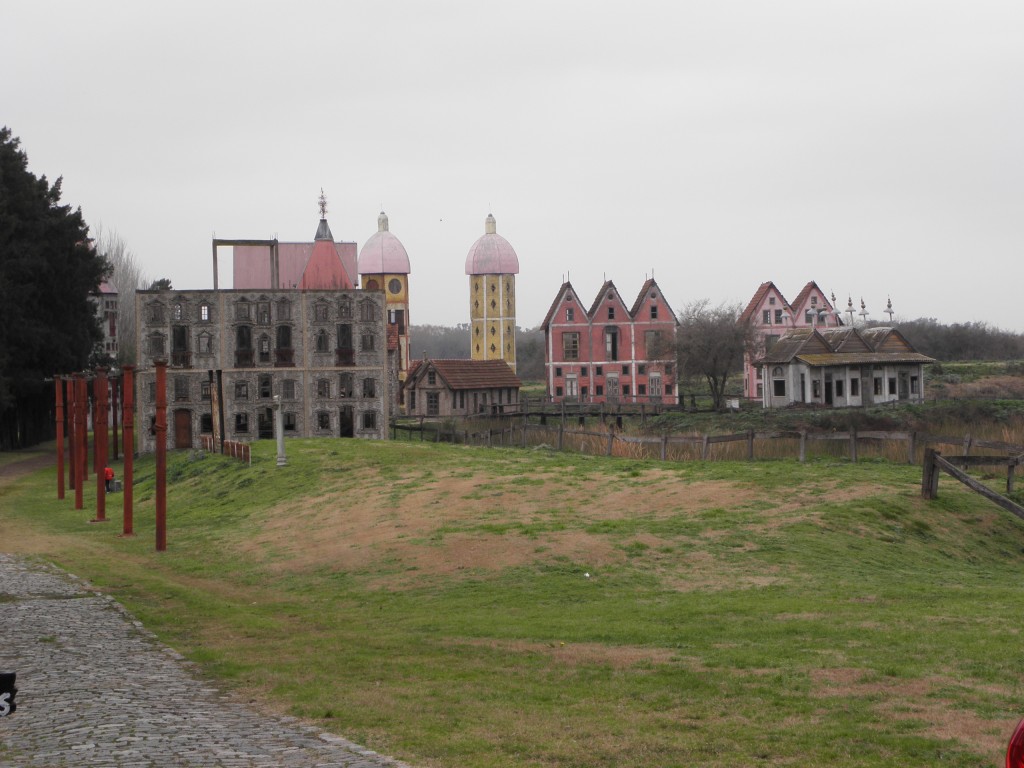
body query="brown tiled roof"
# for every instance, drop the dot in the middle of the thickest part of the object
(758, 297)
(787, 347)
(472, 374)
(802, 296)
(864, 358)
(845, 339)
(826, 347)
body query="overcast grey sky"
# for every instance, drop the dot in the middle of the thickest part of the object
(875, 147)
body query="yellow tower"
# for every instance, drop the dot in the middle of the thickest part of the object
(492, 266)
(384, 266)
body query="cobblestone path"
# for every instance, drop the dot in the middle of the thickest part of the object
(96, 689)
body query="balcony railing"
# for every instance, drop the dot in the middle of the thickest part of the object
(344, 356)
(284, 358)
(181, 359)
(244, 358)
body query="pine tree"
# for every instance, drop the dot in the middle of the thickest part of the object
(48, 272)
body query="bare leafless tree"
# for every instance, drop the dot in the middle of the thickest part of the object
(127, 277)
(710, 344)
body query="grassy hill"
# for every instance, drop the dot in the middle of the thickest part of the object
(474, 607)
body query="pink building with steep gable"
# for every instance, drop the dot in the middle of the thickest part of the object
(772, 317)
(609, 352)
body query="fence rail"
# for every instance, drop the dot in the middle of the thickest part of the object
(233, 448)
(604, 442)
(934, 462)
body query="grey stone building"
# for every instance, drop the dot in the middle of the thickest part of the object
(326, 353)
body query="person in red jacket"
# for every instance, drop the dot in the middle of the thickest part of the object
(108, 475)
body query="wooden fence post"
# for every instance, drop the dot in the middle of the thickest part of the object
(911, 447)
(929, 475)
(750, 445)
(704, 448)
(561, 431)
(611, 440)
(664, 447)
(853, 445)
(1009, 477)
(968, 441)
(803, 445)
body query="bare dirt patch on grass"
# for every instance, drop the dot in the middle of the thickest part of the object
(917, 699)
(579, 654)
(470, 521)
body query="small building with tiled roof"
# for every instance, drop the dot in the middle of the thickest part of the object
(842, 367)
(446, 388)
(610, 351)
(772, 316)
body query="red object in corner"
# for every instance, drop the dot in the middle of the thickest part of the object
(1015, 750)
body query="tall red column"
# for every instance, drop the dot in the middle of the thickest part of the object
(96, 466)
(59, 402)
(114, 386)
(128, 421)
(80, 439)
(72, 450)
(161, 455)
(99, 437)
(83, 428)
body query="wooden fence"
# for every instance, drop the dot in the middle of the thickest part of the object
(934, 463)
(233, 448)
(667, 447)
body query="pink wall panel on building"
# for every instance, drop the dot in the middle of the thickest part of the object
(252, 264)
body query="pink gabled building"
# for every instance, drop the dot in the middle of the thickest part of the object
(609, 352)
(772, 316)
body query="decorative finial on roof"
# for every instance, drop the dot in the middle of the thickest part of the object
(382, 222)
(889, 310)
(490, 225)
(323, 204)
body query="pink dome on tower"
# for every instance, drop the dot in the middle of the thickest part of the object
(492, 254)
(383, 253)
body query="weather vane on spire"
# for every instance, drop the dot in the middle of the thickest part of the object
(323, 204)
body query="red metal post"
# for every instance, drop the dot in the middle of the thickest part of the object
(114, 386)
(59, 402)
(161, 455)
(128, 421)
(95, 421)
(83, 428)
(99, 439)
(80, 439)
(72, 436)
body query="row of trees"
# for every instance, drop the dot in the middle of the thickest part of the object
(962, 341)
